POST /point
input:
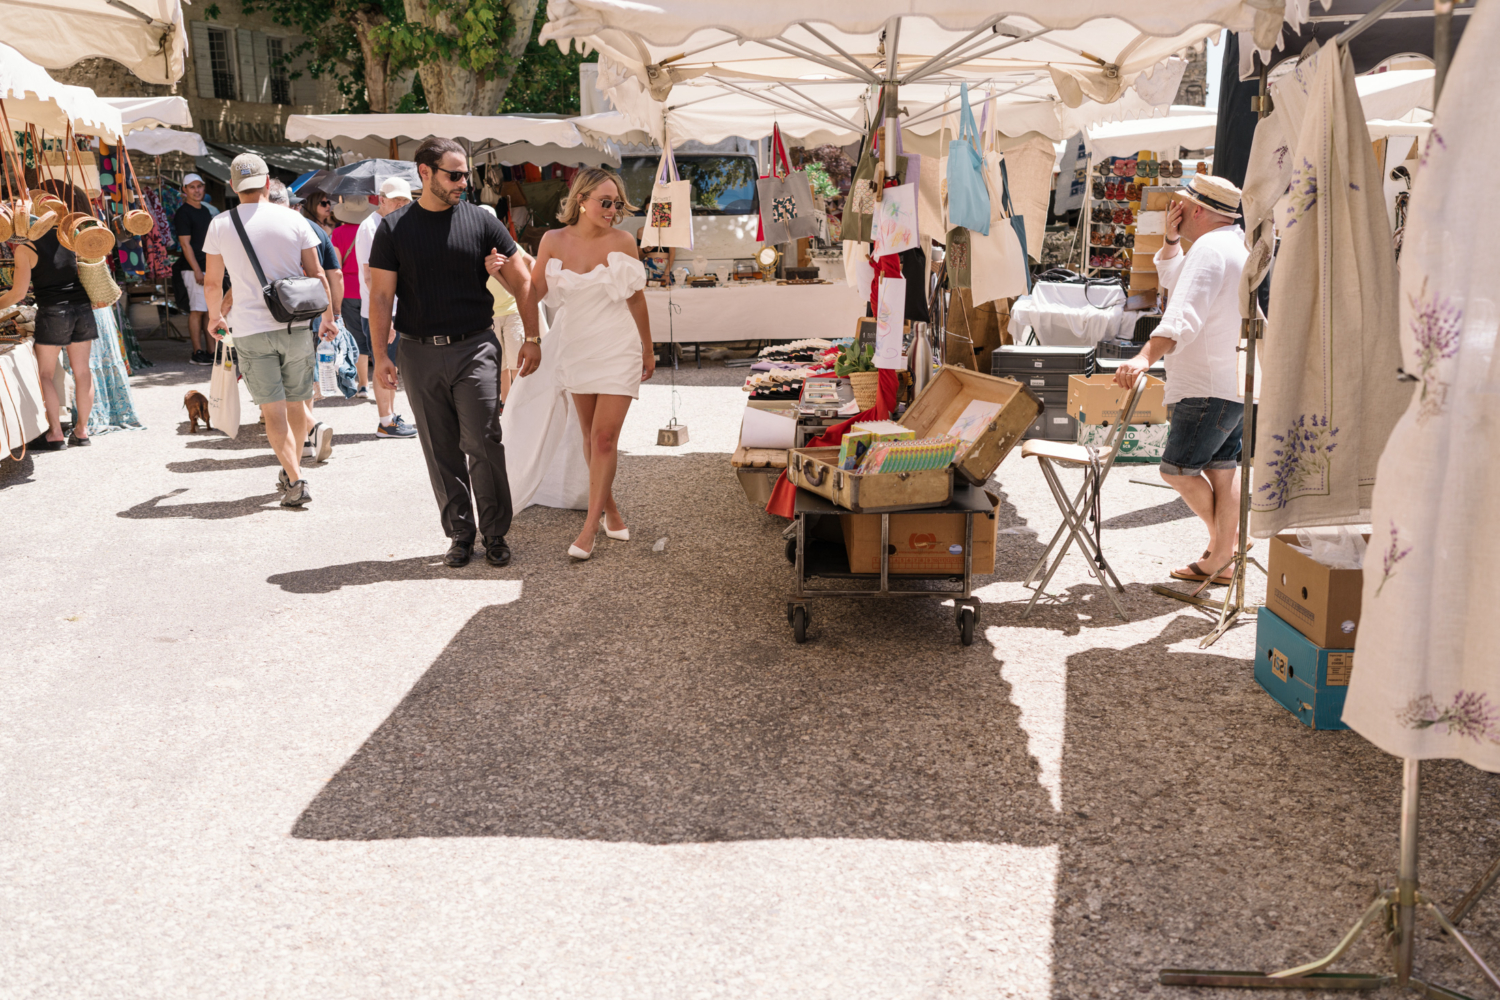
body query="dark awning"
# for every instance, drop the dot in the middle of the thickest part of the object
(295, 160)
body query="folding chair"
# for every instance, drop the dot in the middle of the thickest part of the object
(1096, 464)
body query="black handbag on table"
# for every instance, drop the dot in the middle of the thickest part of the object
(290, 300)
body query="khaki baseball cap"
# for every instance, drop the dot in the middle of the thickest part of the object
(248, 172)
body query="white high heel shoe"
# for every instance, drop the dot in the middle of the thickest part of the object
(623, 535)
(579, 554)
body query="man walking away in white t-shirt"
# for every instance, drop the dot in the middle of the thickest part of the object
(276, 359)
(395, 193)
(1199, 336)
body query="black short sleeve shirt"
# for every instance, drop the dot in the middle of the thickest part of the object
(438, 258)
(193, 223)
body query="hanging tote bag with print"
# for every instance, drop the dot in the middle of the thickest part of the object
(224, 392)
(859, 209)
(669, 217)
(786, 201)
(997, 260)
(1017, 224)
(968, 199)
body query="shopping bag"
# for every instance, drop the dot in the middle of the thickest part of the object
(669, 218)
(968, 199)
(1017, 222)
(786, 201)
(896, 220)
(224, 392)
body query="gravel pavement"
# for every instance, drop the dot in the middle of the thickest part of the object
(258, 753)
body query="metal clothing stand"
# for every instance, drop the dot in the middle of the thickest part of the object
(1395, 910)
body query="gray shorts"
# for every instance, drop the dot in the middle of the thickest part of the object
(278, 365)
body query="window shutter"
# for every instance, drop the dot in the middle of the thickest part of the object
(304, 88)
(262, 68)
(203, 69)
(245, 63)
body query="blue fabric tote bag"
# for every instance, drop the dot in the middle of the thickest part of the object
(968, 198)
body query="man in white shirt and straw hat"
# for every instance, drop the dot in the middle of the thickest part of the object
(1199, 337)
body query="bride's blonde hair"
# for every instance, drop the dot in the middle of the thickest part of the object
(584, 183)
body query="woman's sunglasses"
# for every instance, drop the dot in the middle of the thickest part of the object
(610, 203)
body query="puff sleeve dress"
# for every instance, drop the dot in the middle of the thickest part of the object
(598, 348)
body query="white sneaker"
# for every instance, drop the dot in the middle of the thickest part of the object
(323, 440)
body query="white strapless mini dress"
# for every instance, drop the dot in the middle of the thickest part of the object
(597, 345)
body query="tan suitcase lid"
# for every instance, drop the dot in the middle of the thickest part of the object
(816, 470)
(944, 399)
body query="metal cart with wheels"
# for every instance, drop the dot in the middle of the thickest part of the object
(819, 559)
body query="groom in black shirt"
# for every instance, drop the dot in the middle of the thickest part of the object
(435, 255)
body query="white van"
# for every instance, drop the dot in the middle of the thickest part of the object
(726, 209)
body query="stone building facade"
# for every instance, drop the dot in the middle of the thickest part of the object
(1194, 86)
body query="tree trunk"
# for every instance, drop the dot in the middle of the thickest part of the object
(455, 89)
(377, 77)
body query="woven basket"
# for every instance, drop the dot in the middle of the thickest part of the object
(7, 230)
(40, 224)
(866, 386)
(138, 222)
(95, 278)
(65, 229)
(91, 239)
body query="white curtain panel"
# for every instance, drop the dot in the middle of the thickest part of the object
(1426, 679)
(1330, 394)
(148, 37)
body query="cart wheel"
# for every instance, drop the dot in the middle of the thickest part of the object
(799, 623)
(791, 551)
(966, 618)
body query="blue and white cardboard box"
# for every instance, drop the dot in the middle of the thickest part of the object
(1308, 680)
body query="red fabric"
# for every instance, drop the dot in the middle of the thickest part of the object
(888, 266)
(343, 242)
(783, 495)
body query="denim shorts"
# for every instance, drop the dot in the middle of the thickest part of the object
(390, 348)
(1204, 434)
(64, 323)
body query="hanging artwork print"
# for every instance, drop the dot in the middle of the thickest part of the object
(890, 320)
(784, 209)
(896, 220)
(661, 214)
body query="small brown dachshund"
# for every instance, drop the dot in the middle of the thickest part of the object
(197, 407)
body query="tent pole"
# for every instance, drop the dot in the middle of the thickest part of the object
(1442, 45)
(395, 150)
(890, 112)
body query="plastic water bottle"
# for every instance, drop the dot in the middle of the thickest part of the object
(327, 372)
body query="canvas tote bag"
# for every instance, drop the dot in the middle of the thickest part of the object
(786, 201)
(997, 260)
(224, 392)
(968, 199)
(669, 217)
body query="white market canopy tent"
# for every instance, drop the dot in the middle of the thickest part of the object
(509, 138)
(147, 36)
(799, 58)
(31, 97)
(1385, 97)
(148, 121)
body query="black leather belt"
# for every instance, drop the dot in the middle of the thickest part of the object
(443, 341)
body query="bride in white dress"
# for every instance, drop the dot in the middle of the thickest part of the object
(594, 358)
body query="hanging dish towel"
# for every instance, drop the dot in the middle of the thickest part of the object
(1330, 395)
(786, 201)
(968, 200)
(1426, 678)
(669, 217)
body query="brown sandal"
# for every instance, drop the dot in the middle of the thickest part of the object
(1199, 575)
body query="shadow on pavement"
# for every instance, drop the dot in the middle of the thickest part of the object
(659, 698)
(214, 510)
(16, 473)
(1173, 510)
(332, 578)
(266, 461)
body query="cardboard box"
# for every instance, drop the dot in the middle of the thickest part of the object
(1307, 680)
(1142, 281)
(921, 544)
(1150, 223)
(1095, 399)
(1157, 199)
(1143, 444)
(1320, 602)
(1145, 249)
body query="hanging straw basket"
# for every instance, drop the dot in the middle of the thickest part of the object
(40, 224)
(95, 278)
(7, 228)
(866, 386)
(90, 239)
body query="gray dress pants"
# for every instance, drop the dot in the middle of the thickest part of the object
(454, 392)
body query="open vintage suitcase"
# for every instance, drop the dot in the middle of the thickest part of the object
(933, 412)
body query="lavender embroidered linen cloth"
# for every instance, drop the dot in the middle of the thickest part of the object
(1330, 394)
(1426, 678)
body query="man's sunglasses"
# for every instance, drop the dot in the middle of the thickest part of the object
(453, 175)
(610, 203)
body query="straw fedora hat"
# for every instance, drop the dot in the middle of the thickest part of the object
(1213, 193)
(352, 210)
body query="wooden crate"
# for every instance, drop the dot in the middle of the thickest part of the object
(951, 390)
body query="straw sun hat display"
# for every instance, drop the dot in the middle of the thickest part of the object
(1213, 193)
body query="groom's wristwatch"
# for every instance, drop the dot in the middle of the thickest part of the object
(533, 340)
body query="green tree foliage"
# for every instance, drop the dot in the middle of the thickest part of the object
(547, 80)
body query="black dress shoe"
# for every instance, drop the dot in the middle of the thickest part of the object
(458, 554)
(496, 552)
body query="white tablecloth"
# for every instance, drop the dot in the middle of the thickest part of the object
(1070, 315)
(20, 396)
(754, 311)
